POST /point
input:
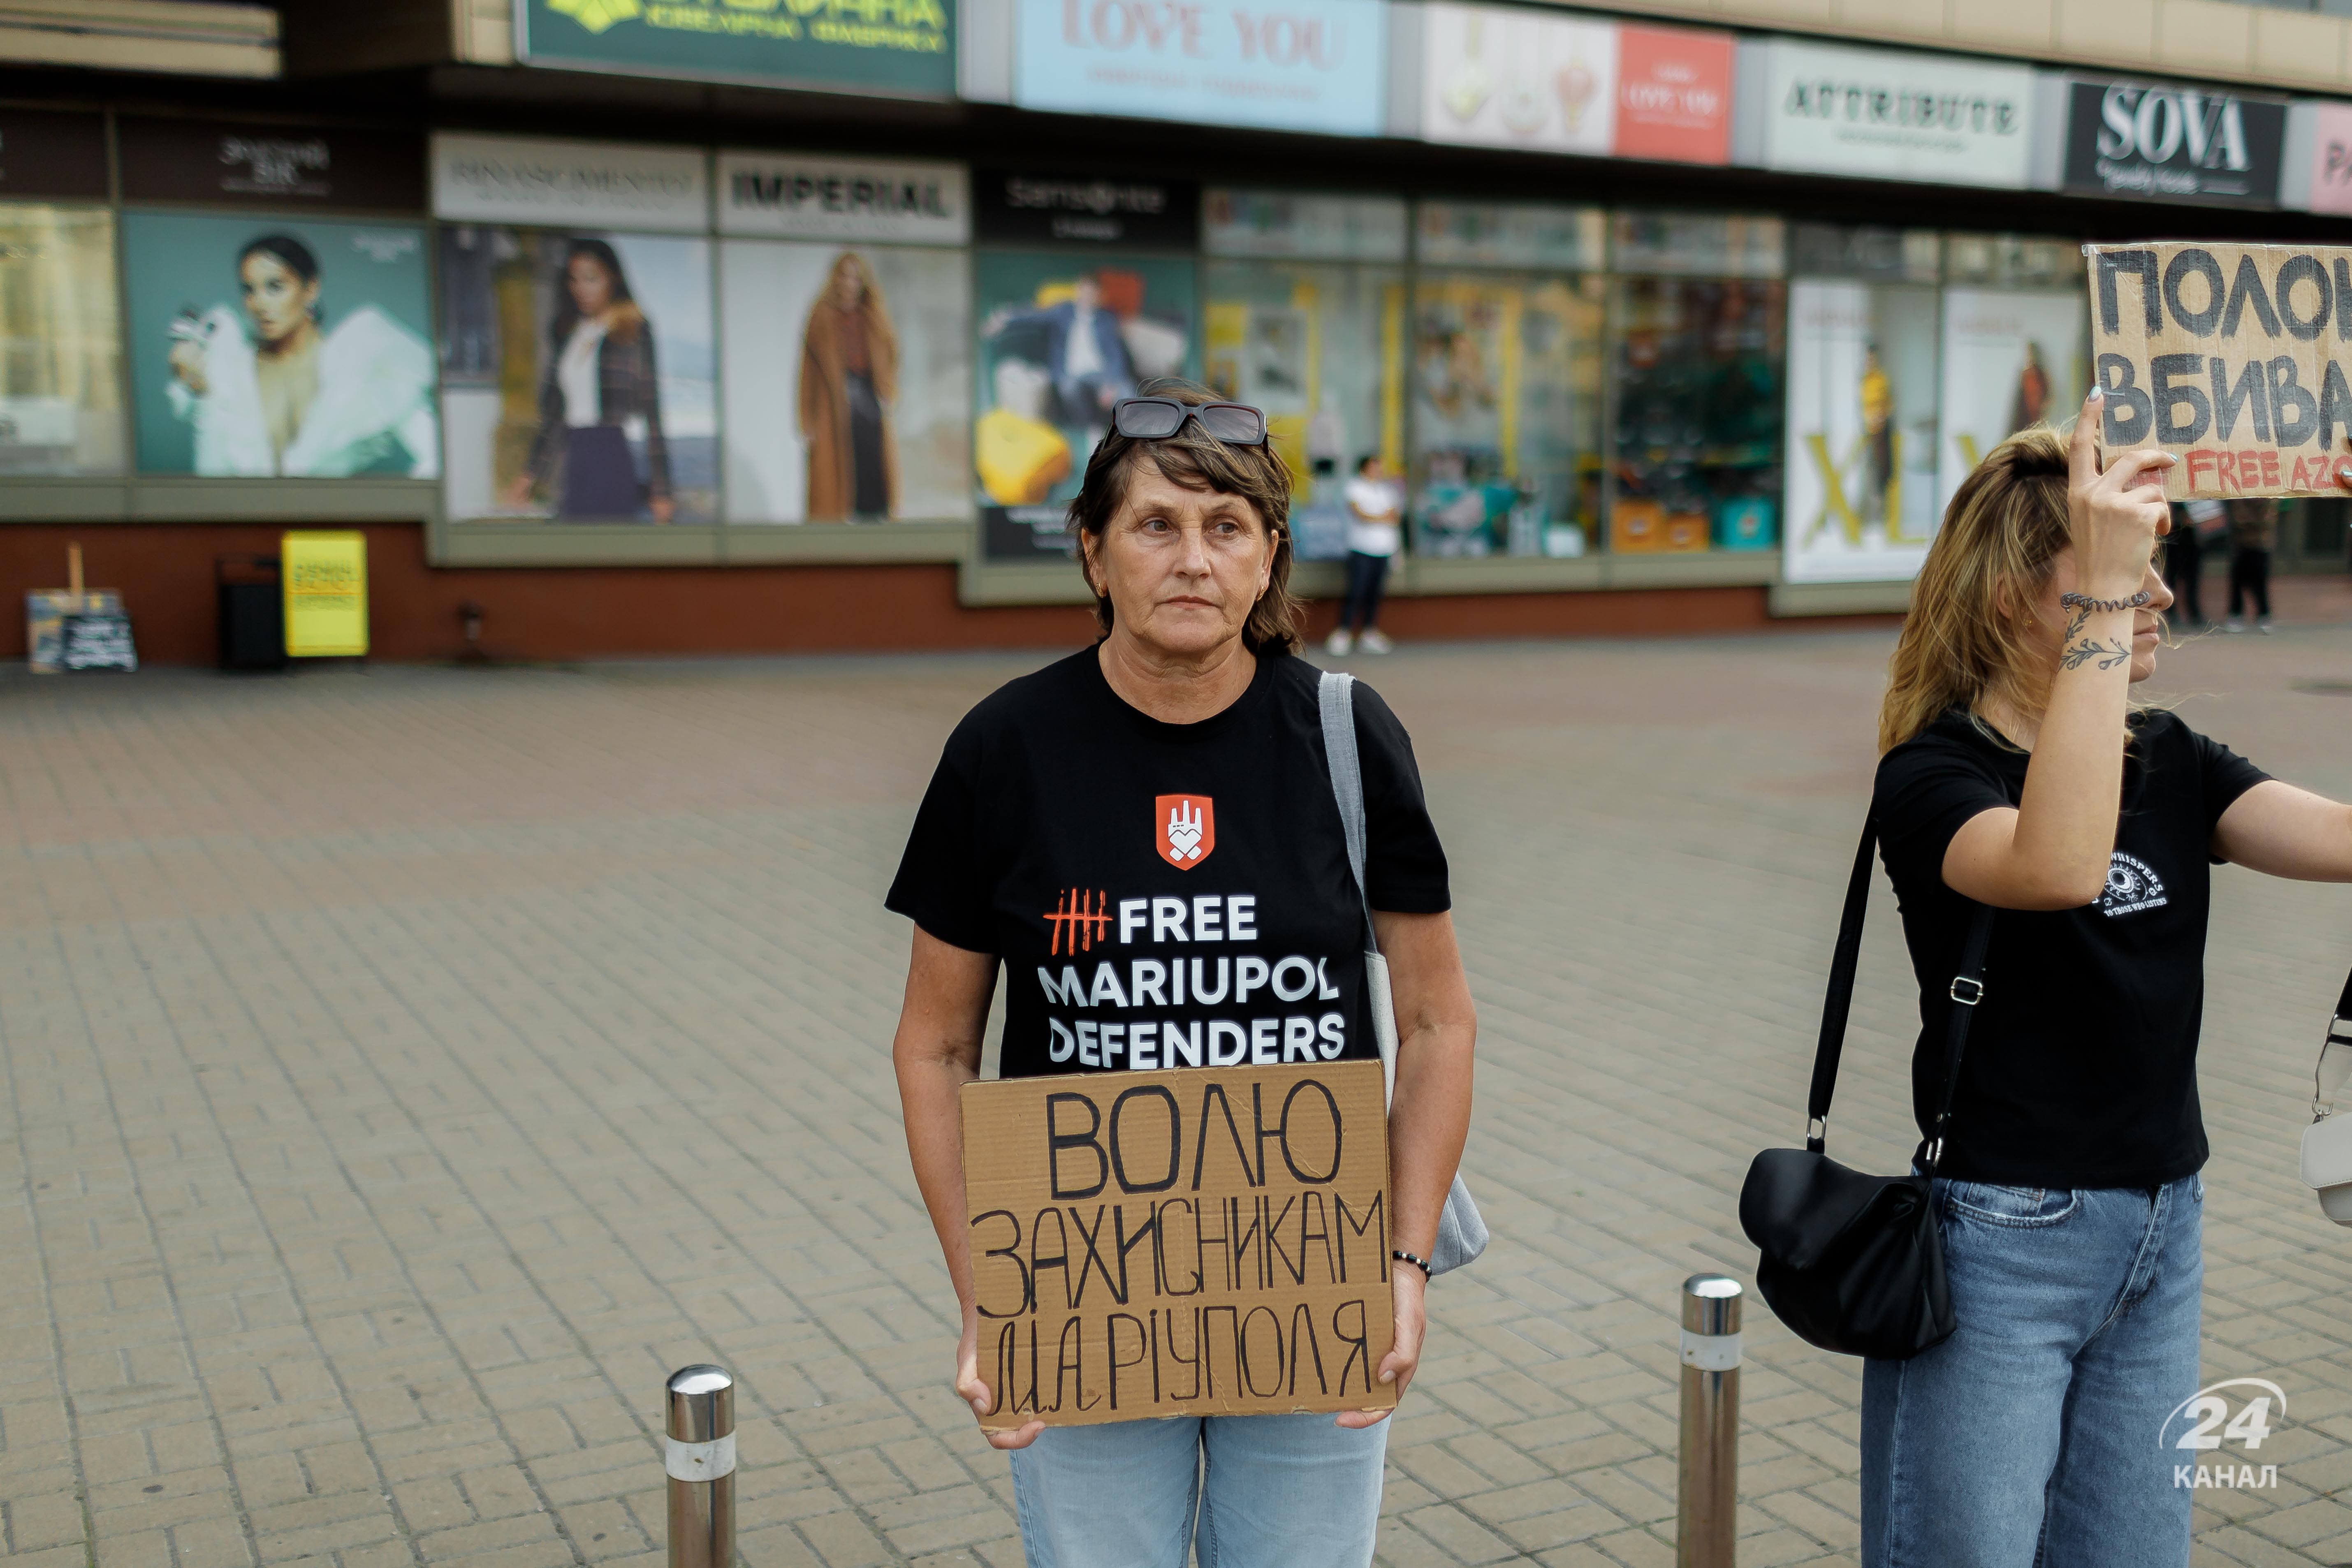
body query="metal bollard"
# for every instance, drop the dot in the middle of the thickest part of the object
(700, 1458)
(1709, 1490)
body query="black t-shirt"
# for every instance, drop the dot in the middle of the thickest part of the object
(2081, 1068)
(1167, 895)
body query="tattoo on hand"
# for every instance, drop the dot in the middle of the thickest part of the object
(2109, 655)
(2074, 625)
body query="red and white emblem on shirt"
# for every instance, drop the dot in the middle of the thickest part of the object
(1186, 830)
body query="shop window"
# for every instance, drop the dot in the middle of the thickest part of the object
(1698, 425)
(265, 346)
(1322, 350)
(1864, 389)
(61, 342)
(2016, 345)
(1505, 370)
(1507, 396)
(847, 384)
(1061, 337)
(578, 373)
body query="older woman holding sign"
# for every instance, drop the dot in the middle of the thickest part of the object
(1159, 802)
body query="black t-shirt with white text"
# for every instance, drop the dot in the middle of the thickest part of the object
(2081, 1065)
(1167, 895)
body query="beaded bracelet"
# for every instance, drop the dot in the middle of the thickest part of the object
(1401, 1256)
(2084, 601)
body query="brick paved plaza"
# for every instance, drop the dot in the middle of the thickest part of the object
(407, 1067)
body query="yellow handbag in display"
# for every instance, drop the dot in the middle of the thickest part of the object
(1021, 459)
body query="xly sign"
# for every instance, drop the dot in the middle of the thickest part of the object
(2175, 143)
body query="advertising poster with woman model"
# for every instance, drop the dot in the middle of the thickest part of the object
(848, 386)
(60, 386)
(265, 347)
(2012, 358)
(1862, 434)
(577, 377)
(1062, 338)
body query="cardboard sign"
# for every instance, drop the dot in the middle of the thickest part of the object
(1211, 1241)
(2231, 357)
(326, 595)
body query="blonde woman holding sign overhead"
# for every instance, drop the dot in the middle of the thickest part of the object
(2019, 774)
(1178, 768)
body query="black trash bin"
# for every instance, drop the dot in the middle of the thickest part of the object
(252, 613)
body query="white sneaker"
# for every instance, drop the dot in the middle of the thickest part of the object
(1375, 641)
(2263, 627)
(1338, 644)
(2234, 626)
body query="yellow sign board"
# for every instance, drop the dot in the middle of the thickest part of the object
(326, 595)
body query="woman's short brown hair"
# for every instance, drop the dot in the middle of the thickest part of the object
(1199, 461)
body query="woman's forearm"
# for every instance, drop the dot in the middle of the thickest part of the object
(1437, 1035)
(927, 1092)
(935, 1053)
(2073, 784)
(1428, 1125)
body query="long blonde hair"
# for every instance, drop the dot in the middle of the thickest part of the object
(1972, 630)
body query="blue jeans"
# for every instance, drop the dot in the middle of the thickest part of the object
(2033, 1437)
(1272, 1491)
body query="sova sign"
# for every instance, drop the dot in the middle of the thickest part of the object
(2175, 144)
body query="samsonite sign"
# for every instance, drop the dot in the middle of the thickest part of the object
(1813, 109)
(2173, 143)
(1290, 65)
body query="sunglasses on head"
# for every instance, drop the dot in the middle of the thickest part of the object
(1157, 418)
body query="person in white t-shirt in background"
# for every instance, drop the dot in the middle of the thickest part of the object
(1375, 532)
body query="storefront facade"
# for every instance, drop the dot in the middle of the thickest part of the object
(1669, 328)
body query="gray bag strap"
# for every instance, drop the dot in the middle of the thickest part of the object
(1335, 695)
(1460, 1229)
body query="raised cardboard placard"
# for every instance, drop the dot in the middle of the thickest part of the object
(2231, 357)
(1211, 1241)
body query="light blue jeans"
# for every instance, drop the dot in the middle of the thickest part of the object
(2033, 1437)
(1270, 1491)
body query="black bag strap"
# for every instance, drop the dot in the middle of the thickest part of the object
(1968, 990)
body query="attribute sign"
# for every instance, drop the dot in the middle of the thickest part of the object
(2231, 357)
(1211, 1241)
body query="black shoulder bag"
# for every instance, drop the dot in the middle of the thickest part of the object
(1854, 1263)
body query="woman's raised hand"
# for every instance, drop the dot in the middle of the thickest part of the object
(2114, 517)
